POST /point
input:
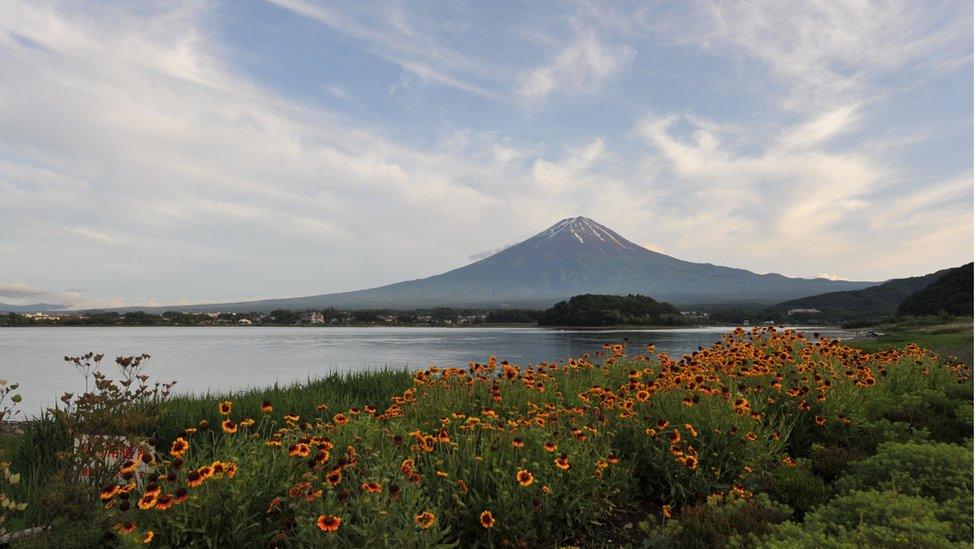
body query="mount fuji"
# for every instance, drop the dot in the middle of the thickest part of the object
(575, 256)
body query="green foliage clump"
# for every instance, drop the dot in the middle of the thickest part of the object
(828, 461)
(715, 523)
(865, 519)
(610, 310)
(942, 473)
(796, 487)
(938, 471)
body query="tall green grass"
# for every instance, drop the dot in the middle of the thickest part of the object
(339, 391)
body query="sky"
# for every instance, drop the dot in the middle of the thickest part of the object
(185, 152)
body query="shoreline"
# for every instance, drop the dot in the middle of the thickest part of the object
(613, 327)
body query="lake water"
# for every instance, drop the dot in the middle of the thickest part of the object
(227, 358)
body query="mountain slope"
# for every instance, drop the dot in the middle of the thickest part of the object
(32, 308)
(952, 293)
(871, 302)
(574, 256)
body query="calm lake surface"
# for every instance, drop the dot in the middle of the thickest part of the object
(222, 359)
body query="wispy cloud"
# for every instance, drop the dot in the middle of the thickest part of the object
(584, 66)
(388, 33)
(799, 188)
(828, 52)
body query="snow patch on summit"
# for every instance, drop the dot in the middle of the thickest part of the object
(585, 232)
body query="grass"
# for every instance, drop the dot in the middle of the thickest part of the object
(338, 390)
(755, 441)
(947, 339)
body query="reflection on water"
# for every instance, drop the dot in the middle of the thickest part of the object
(227, 358)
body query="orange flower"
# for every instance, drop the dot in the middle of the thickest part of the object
(194, 479)
(517, 442)
(487, 519)
(109, 492)
(228, 426)
(562, 462)
(524, 478)
(299, 449)
(643, 395)
(266, 407)
(292, 418)
(217, 467)
(372, 487)
(334, 477)
(147, 537)
(225, 407)
(674, 437)
(179, 447)
(165, 502)
(126, 528)
(128, 467)
(666, 511)
(407, 466)
(425, 519)
(181, 496)
(328, 523)
(340, 419)
(147, 501)
(550, 446)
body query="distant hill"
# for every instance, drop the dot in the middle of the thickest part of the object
(952, 292)
(33, 308)
(866, 303)
(609, 310)
(575, 256)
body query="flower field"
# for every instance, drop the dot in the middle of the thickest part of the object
(764, 439)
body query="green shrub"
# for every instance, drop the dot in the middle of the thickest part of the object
(940, 472)
(864, 519)
(796, 487)
(714, 524)
(829, 461)
(964, 415)
(958, 513)
(937, 471)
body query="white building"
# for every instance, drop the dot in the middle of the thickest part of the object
(801, 311)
